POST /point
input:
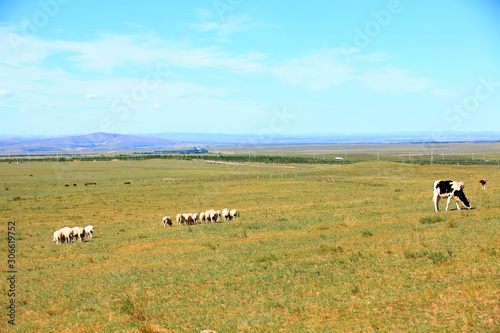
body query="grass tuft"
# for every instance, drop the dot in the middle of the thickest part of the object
(150, 328)
(488, 250)
(355, 257)
(430, 219)
(436, 257)
(325, 249)
(367, 233)
(211, 245)
(130, 307)
(267, 258)
(355, 290)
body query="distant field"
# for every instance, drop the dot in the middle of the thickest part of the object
(317, 248)
(370, 152)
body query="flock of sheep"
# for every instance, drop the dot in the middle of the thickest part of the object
(209, 216)
(67, 235)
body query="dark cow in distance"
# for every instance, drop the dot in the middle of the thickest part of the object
(483, 183)
(450, 189)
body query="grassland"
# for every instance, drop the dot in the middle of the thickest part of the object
(425, 152)
(364, 252)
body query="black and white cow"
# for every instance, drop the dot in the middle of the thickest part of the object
(450, 189)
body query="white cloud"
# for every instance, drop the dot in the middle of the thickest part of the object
(321, 70)
(225, 27)
(315, 71)
(23, 111)
(154, 106)
(205, 13)
(124, 51)
(394, 81)
(135, 25)
(93, 97)
(6, 93)
(444, 95)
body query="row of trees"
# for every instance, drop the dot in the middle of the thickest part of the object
(235, 158)
(207, 157)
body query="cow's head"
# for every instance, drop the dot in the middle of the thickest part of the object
(461, 196)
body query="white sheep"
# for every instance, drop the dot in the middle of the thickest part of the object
(202, 217)
(79, 233)
(66, 235)
(89, 231)
(189, 218)
(233, 214)
(180, 219)
(225, 214)
(196, 216)
(214, 216)
(167, 220)
(208, 215)
(57, 237)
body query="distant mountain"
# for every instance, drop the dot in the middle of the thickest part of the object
(94, 141)
(215, 139)
(162, 141)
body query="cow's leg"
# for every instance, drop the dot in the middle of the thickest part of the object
(458, 207)
(436, 202)
(448, 203)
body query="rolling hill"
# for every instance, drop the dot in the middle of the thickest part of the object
(94, 141)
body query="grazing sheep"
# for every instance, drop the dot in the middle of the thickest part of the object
(208, 215)
(225, 214)
(89, 231)
(57, 237)
(233, 214)
(167, 220)
(196, 216)
(214, 216)
(79, 233)
(189, 218)
(180, 219)
(202, 217)
(66, 235)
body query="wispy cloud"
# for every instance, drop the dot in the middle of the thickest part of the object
(93, 97)
(316, 71)
(6, 94)
(154, 106)
(444, 95)
(111, 52)
(232, 24)
(320, 70)
(395, 81)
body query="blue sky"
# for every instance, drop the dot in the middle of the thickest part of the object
(249, 67)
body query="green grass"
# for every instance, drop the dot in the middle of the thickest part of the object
(430, 219)
(366, 252)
